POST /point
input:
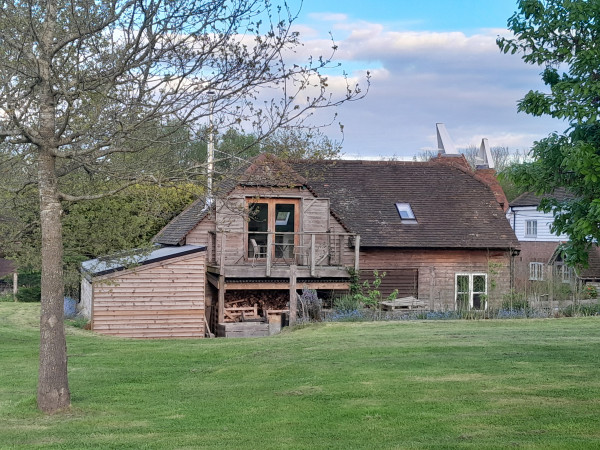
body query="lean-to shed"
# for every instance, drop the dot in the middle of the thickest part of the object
(157, 294)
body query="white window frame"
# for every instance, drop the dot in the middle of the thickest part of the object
(471, 292)
(536, 271)
(531, 228)
(566, 273)
(407, 210)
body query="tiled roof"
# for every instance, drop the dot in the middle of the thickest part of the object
(178, 228)
(452, 208)
(593, 269)
(264, 170)
(531, 199)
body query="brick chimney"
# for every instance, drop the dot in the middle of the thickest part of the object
(488, 176)
(453, 160)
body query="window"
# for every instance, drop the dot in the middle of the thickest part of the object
(471, 291)
(536, 271)
(564, 272)
(406, 212)
(276, 215)
(531, 228)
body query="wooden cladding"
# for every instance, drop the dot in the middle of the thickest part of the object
(163, 300)
(406, 281)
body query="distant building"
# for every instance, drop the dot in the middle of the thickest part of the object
(540, 259)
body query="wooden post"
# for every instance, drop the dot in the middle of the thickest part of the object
(357, 253)
(293, 295)
(15, 285)
(312, 254)
(269, 253)
(223, 243)
(221, 311)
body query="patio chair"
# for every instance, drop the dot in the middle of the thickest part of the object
(258, 251)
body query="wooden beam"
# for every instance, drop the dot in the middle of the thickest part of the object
(269, 253)
(312, 255)
(293, 295)
(357, 253)
(223, 243)
(212, 279)
(221, 311)
(281, 285)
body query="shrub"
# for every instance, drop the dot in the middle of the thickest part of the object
(589, 291)
(515, 301)
(356, 315)
(6, 298)
(581, 310)
(310, 305)
(29, 294)
(78, 322)
(30, 287)
(347, 303)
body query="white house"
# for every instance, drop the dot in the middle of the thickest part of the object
(538, 242)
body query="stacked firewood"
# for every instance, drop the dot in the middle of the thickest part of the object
(266, 300)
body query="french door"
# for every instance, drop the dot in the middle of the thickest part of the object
(278, 216)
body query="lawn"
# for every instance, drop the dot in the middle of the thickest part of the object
(450, 384)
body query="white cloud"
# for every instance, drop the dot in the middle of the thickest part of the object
(329, 17)
(420, 78)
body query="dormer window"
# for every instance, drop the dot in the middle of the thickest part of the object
(406, 213)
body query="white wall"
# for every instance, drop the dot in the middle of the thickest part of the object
(85, 304)
(518, 218)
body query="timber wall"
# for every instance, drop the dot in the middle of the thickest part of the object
(159, 300)
(437, 270)
(314, 212)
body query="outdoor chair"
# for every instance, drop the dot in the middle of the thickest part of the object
(258, 251)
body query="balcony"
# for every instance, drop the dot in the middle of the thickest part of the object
(271, 255)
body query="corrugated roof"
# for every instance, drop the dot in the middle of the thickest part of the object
(114, 263)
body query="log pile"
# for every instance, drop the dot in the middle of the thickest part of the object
(237, 302)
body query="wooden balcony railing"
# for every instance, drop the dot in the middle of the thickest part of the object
(269, 249)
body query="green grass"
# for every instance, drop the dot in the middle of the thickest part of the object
(444, 384)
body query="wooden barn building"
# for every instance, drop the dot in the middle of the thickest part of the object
(436, 228)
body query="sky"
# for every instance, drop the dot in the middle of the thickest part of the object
(430, 61)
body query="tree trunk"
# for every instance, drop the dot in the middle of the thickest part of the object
(53, 386)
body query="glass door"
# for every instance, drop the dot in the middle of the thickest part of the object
(258, 225)
(284, 230)
(275, 215)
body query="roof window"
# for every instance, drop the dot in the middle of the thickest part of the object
(406, 212)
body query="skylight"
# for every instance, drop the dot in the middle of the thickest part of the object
(405, 212)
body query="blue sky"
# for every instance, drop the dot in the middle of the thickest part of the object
(431, 61)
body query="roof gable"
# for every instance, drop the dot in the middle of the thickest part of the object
(532, 199)
(265, 170)
(452, 207)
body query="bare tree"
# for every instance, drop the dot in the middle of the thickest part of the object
(92, 91)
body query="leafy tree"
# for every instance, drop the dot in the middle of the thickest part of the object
(564, 38)
(93, 228)
(94, 92)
